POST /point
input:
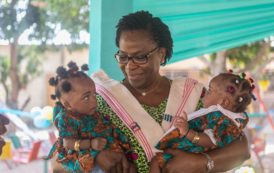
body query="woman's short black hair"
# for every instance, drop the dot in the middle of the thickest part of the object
(143, 20)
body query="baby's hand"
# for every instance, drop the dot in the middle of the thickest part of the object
(98, 143)
(182, 124)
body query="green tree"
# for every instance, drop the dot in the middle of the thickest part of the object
(41, 19)
(252, 57)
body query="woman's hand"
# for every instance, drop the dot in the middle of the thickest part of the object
(185, 162)
(3, 121)
(113, 162)
(182, 124)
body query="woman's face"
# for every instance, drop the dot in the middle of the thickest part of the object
(139, 42)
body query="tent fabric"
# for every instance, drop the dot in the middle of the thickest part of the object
(205, 26)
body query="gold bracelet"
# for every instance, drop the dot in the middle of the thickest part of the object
(196, 138)
(77, 145)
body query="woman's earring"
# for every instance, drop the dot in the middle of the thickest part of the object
(163, 61)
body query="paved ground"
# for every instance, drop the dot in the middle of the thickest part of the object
(33, 167)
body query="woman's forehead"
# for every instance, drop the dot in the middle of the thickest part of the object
(134, 40)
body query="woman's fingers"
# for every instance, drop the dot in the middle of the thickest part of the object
(132, 169)
(3, 121)
(2, 143)
(125, 164)
(2, 129)
(119, 167)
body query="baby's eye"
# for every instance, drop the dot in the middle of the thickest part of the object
(86, 98)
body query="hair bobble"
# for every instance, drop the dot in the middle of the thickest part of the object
(53, 81)
(242, 76)
(84, 67)
(237, 81)
(61, 72)
(240, 99)
(72, 65)
(53, 97)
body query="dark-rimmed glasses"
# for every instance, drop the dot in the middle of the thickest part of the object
(138, 59)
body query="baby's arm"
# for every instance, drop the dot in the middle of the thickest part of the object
(201, 139)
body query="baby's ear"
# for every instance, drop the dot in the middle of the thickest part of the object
(66, 105)
(225, 103)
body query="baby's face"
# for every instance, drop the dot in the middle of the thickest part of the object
(213, 95)
(81, 98)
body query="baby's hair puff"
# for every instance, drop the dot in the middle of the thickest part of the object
(61, 80)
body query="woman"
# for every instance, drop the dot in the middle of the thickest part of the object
(3, 121)
(144, 104)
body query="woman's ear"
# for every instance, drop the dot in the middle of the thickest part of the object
(162, 52)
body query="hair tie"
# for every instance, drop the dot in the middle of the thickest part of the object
(230, 89)
(230, 71)
(251, 80)
(253, 96)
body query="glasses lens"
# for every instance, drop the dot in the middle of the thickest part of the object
(121, 58)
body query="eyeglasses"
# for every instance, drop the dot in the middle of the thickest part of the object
(139, 59)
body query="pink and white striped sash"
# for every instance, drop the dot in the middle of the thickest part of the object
(188, 87)
(184, 96)
(126, 118)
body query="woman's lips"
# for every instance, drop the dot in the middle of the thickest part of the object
(134, 76)
(92, 110)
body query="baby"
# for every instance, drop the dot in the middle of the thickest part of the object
(75, 116)
(220, 122)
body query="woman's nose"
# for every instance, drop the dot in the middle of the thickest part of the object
(130, 64)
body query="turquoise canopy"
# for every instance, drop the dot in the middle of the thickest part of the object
(205, 26)
(198, 26)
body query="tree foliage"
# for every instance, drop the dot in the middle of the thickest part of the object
(252, 57)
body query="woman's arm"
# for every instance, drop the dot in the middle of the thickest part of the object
(230, 156)
(224, 159)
